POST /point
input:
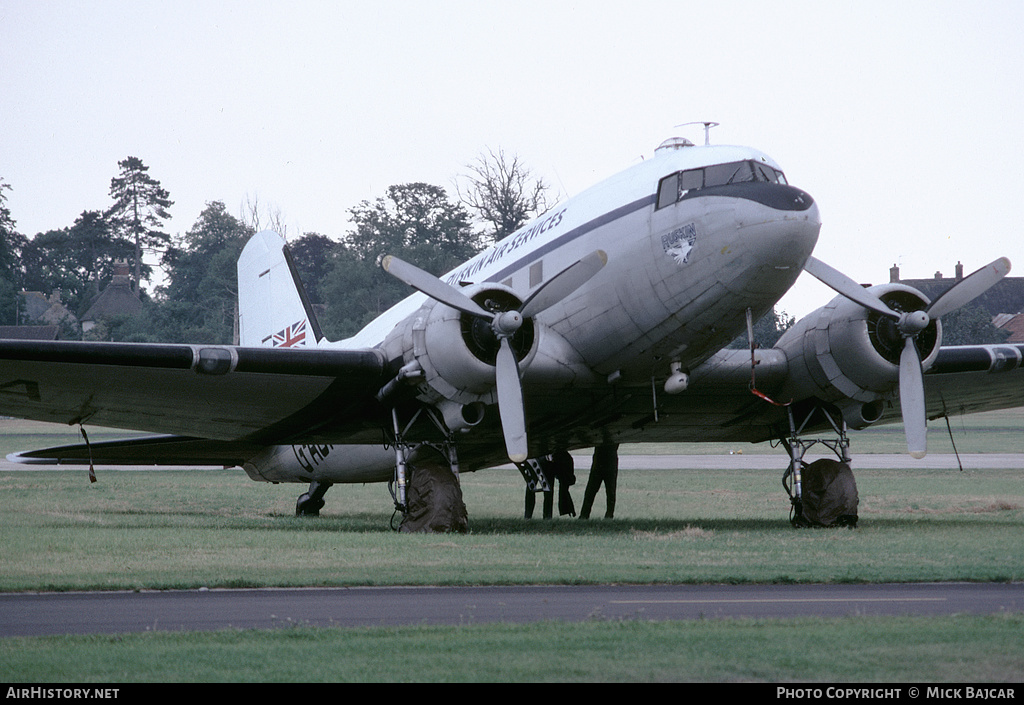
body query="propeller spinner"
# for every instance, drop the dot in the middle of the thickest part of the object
(910, 324)
(504, 325)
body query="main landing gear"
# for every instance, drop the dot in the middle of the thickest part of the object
(824, 492)
(426, 488)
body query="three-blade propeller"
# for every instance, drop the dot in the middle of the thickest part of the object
(910, 324)
(504, 325)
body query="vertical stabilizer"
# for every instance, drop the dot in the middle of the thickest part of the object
(273, 309)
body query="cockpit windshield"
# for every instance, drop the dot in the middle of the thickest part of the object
(674, 186)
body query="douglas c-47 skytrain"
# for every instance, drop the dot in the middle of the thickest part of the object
(604, 321)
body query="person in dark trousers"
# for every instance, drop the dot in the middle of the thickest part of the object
(563, 470)
(603, 469)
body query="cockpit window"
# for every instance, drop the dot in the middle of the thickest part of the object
(767, 173)
(694, 178)
(722, 174)
(674, 186)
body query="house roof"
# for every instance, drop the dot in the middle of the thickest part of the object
(1007, 296)
(1012, 323)
(117, 299)
(29, 332)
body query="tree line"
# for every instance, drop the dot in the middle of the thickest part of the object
(195, 298)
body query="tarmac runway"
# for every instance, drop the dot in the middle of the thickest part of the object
(36, 614)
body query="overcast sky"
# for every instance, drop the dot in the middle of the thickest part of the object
(905, 120)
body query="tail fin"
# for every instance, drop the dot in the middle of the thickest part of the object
(273, 309)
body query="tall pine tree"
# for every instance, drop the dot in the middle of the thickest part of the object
(140, 207)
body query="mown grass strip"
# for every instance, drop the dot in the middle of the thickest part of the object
(890, 650)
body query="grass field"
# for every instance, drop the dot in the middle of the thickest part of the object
(186, 529)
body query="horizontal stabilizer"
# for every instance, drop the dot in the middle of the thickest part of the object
(148, 451)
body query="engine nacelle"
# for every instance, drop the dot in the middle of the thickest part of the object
(456, 352)
(450, 356)
(849, 356)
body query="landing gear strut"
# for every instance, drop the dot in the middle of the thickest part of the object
(797, 447)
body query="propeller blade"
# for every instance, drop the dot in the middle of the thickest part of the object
(510, 403)
(915, 424)
(841, 283)
(969, 288)
(564, 283)
(911, 380)
(432, 286)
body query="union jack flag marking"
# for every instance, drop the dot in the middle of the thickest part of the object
(293, 335)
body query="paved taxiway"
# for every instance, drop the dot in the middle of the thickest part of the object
(33, 614)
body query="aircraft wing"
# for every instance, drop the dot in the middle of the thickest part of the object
(221, 402)
(257, 396)
(720, 406)
(971, 378)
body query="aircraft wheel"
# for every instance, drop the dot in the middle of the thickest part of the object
(310, 503)
(307, 506)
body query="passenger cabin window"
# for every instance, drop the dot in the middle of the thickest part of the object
(674, 186)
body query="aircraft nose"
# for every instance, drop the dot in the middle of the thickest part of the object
(782, 221)
(799, 229)
(802, 215)
(779, 236)
(790, 198)
(811, 215)
(779, 197)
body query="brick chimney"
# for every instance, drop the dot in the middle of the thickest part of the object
(122, 276)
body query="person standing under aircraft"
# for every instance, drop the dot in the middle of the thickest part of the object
(604, 468)
(563, 470)
(559, 467)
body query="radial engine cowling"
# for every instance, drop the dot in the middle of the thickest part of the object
(849, 356)
(453, 353)
(454, 378)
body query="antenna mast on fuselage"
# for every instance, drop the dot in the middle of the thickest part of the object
(708, 124)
